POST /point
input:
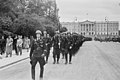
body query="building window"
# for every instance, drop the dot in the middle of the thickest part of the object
(84, 25)
(92, 33)
(98, 33)
(87, 25)
(87, 29)
(92, 24)
(89, 33)
(81, 28)
(84, 33)
(90, 28)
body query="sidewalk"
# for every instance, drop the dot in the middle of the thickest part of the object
(4, 62)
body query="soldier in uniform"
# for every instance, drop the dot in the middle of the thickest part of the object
(56, 48)
(49, 43)
(63, 44)
(68, 48)
(37, 54)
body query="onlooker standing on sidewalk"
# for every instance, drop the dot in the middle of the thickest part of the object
(31, 40)
(19, 45)
(15, 44)
(27, 43)
(9, 46)
(2, 45)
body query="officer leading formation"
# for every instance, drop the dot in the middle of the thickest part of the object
(37, 54)
(63, 44)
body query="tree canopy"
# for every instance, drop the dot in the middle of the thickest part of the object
(23, 17)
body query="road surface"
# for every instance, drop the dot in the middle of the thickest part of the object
(94, 61)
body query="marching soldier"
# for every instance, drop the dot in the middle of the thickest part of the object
(47, 41)
(63, 44)
(68, 49)
(49, 44)
(37, 54)
(56, 48)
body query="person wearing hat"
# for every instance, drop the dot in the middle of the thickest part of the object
(63, 45)
(68, 48)
(56, 48)
(47, 41)
(37, 54)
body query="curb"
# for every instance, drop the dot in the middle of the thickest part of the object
(13, 63)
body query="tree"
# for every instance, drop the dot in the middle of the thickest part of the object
(25, 25)
(50, 31)
(21, 17)
(63, 29)
(5, 23)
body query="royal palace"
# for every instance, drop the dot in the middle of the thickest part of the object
(93, 29)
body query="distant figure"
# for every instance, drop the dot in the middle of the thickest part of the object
(19, 45)
(49, 45)
(27, 43)
(15, 44)
(31, 40)
(9, 46)
(2, 45)
(56, 48)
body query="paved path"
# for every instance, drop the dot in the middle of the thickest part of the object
(94, 61)
(5, 62)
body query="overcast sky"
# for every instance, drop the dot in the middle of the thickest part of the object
(97, 10)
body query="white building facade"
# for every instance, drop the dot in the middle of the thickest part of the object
(93, 29)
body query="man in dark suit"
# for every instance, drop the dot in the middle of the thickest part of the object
(37, 54)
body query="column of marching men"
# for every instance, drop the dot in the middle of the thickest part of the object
(64, 44)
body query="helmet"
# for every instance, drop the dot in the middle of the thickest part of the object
(38, 32)
(57, 32)
(44, 32)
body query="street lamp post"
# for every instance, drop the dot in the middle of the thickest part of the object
(74, 23)
(107, 28)
(107, 25)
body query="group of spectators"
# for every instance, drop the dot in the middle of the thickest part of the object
(17, 43)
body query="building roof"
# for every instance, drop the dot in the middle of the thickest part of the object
(87, 22)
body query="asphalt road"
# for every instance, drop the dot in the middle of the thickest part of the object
(94, 61)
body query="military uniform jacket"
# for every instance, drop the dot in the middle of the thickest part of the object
(64, 43)
(49, 42)
(56, 42)
(38, 48)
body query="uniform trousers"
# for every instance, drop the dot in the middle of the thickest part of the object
(68, 52)
(41, 63)
(56, 54)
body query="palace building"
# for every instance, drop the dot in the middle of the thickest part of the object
(93, 29)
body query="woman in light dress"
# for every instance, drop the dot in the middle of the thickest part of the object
(9, 46)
